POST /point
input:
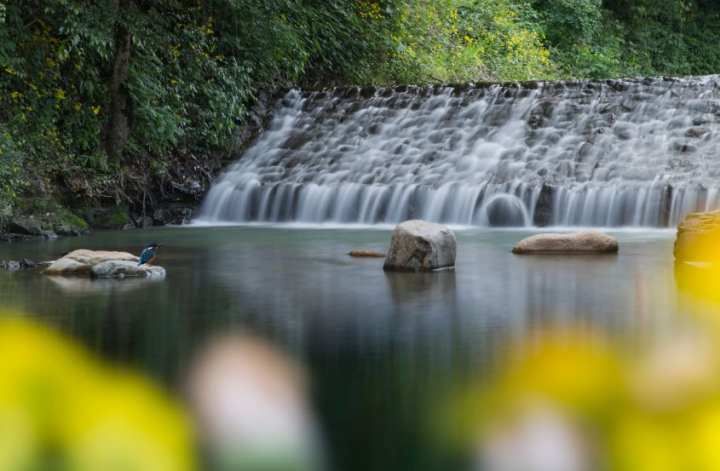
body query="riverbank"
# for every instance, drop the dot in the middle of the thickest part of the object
(167, 191)
(59, 212)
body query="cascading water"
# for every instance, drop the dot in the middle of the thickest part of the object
(589, 153)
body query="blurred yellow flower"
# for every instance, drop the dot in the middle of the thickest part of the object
(569, 394)
(639, 442)
(573, 369)
(571, 372)
(701, 438)
(125, 423)
(58, 402)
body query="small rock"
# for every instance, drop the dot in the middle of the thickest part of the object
(17, 265)
(49, 235)
(696, 132)
(570, 243)
(421, 246)
(366, 254)
(26, 263)
(10, 265)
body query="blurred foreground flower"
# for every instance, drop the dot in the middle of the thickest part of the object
(61, 409)
(699, 285)
(697, 266)
(572, 402)
(251, 404)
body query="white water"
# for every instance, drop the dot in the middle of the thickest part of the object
(616, 153)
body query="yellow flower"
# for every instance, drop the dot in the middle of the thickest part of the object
(56, 398)
(95, 110)
(38, 376)
(127, 424)
(59, 94)
(640, 442)
(571, 369)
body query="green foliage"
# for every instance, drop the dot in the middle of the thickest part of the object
(460, 41)
(11, 182)
(570, 22)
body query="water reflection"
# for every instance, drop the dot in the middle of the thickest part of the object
(419, 288)
(86, 286)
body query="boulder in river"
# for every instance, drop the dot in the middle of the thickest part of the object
(698, 238)
(103, 264)
(567, 243)
(421, 246)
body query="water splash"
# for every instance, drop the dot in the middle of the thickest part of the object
(585, 153)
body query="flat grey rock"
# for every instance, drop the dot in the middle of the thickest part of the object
(567, 243)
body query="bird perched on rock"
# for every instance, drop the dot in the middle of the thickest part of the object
(148, 255)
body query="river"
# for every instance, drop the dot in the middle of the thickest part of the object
(381, 350)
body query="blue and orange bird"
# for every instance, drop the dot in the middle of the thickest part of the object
(148, 255)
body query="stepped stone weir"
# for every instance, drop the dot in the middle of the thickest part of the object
(640, 152)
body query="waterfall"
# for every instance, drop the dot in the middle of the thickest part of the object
(638, 152)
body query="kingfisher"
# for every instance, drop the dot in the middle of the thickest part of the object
(148, 256)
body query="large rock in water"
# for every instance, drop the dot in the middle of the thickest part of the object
(421, 246)
(102, 264)
(698, 238)
(570, 243)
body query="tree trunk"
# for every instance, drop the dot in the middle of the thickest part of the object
(117, 128)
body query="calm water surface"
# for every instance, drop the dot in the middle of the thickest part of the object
(382, 350)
